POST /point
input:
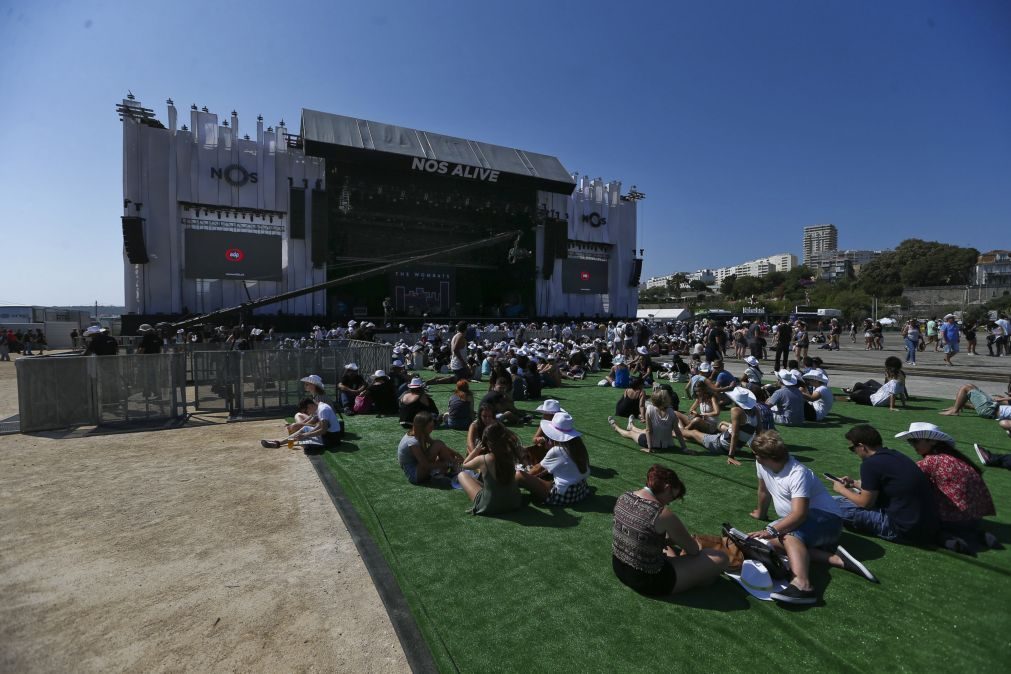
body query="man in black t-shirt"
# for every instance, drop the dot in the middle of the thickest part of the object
(150, 340)
(784, 336)
(893, 499)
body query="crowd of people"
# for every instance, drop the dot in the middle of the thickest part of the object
(939, 500)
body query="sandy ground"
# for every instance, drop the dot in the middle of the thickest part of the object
(187, 549)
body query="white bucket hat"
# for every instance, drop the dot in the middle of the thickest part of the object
(705, 367)
(921, 430)
(549, 406)
(416, 383)
(751, 360)
(560, 428)
(93, 330)
(313, 379)
(787, 377)
(742, 397)
(351, 366)
(642, 351)
(755, 578)
(398, 363)
(817, 375)
(379, 374)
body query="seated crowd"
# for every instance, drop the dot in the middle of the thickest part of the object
(939, 500)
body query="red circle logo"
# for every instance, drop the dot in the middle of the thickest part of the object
(234, 255)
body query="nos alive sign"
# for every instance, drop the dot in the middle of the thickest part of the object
(446, 168)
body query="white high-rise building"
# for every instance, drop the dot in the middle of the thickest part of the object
(819, 239)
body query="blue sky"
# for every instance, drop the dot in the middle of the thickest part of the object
(742, 121)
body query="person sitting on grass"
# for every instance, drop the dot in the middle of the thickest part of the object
(963, 499)
(619, 376)
(893, 499)
(460, 407)
(632, 402)
(704, 414)
(752, 377)
(382, 394)
(567, 461)
(809, 519)
(819, 398)
(989, 407)
(501, 401)
(661, 425)
(730, 437)
(485, 418)
(787, 402)
(322, 429)
(421, 456)
(498, 491)
(416, 400)
(645, 533)
(350, 385)
(540, 444)
(875, 394)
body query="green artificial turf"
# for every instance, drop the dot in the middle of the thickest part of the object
(534, 590)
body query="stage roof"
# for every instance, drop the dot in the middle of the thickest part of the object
(362, 134)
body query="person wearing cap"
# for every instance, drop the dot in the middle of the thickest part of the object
(381, 393)
(314, 389)
(423, 457)
(398, 376)
(819, 398)
(415, 400)
(645, 534)
(566, 460)
(728, 438)
(101, 343)
(498, 491)
(322, 428)
(349, 387)
(150, 341)
(893, 499)
(787, 402)
(809, 520)
(949, 336)
(963, 499)
(661, 425)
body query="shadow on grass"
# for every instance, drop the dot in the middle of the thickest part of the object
(864, 549)
(344, 448)
(602, 473)
(724, 596)
(536, 516)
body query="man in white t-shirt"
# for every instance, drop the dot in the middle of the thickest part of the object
(809, 522)
(324, 429)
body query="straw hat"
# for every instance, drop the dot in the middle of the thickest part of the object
(560, 428)
(921, 430)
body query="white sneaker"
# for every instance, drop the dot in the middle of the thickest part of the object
(851, 563)
(631, 418)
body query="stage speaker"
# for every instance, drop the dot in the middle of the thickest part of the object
(133, 240)
(633, 277)
(296, 211)
(320, 214)
(560, 229)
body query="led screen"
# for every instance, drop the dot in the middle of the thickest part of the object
(584, 276)
(232, 255)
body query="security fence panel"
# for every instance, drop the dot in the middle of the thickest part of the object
(215, 376)
(140, 388)
(55, 393)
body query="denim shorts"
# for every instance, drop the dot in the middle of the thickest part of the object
(819, 530)
(983, 404)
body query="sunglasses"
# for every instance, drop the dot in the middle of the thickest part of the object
(854, 446)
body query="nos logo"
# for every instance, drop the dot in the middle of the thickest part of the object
(234, 255)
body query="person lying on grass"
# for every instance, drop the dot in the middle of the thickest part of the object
(498, 490)
(963, 499)
(421, 456)
(730, 437)
(809, 519)
(893, 499)
(876, 394)
(997, 406)
(661, 425)
(644, 533)
(323, 428)
(566, 460)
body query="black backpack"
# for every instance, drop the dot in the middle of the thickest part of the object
(760, 551)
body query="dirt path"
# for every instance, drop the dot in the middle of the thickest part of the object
(182, 549)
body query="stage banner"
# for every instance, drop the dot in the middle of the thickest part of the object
(423, 290)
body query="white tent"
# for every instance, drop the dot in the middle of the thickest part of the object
(887, 321)
(664, 314)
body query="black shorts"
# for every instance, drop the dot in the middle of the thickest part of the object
(649, 584)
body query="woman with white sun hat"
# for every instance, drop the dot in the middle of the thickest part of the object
(567, 461)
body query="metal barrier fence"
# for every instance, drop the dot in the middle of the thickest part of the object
(70, 391)
(66, 391)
